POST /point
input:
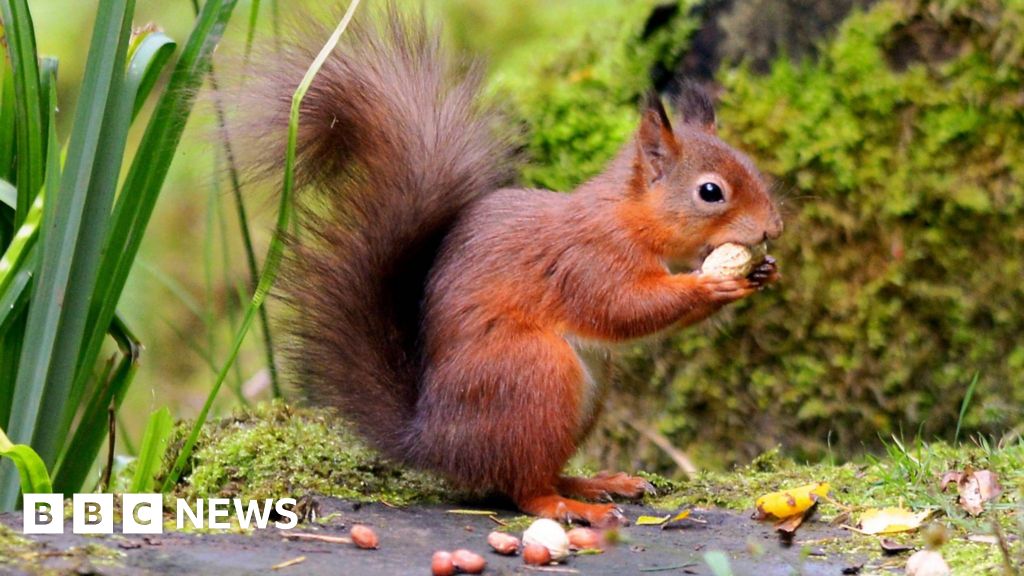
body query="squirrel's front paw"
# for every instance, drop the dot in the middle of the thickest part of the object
(723, 290)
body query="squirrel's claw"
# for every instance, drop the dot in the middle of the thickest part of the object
(649, 489)
(767, 272)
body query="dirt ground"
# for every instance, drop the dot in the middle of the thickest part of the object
(409, 536)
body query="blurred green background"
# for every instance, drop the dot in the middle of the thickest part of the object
(894, 131)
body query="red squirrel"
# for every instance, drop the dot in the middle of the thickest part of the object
(441, 313)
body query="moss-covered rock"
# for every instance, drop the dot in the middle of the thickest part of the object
(276, 451)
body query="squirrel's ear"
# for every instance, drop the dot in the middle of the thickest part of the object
(656, 145)
(696, 106)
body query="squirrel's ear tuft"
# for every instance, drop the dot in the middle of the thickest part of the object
(656, 145)
(695, 105)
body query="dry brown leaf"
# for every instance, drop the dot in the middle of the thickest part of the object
(975, 487)
(788, 526)
(891, 547)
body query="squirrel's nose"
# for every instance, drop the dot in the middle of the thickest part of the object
(774, 229)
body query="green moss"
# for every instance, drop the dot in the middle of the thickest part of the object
(276, 451)
(96, 553)
(577, 92)
(24, 555)
(12, 546)
(907, 476)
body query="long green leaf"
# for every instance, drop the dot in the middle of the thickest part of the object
(148, 56)
(274, 253)
(47, 93)
(23, 241)
(87, 440)
(106, 172)
(26, 236)
(29, 133)
(146, 175)
(7, 116)
(32, 471)
(15, 292)
(154, 446)
(50, 351)
(14, 298)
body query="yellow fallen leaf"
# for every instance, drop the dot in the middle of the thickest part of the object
(681, 520)
(681, 516)
(889, 520)
(788, 503)
(652, 520)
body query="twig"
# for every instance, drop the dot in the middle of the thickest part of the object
(1004, 548)
(667, 568)
(111, 440)
(317, 538)
(287, 563)
(681, 459)
(497, 520)
(552, 569)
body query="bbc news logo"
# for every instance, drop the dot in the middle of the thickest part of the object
(144, 513)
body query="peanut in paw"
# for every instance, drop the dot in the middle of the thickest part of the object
(733, 260)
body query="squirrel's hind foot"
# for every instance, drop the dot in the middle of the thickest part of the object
(566, 510)
(604, 486)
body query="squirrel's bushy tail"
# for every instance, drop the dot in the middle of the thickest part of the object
(393, 143)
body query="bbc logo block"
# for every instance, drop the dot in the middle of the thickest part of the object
(93, 514)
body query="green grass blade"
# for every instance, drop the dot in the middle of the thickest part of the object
(14, 298)
(87, 441)
(254, 13)
(50, 349)
(23, 241)
(8, 113)
(963, 408)
(26, 236)
(154, 446)
(31, 470)
(30, 138)
(147, 58)
(8, 194)
(21, 259)
(274, 253)
(146, 175)
(10, 351)
(243, 224)
(47, 93)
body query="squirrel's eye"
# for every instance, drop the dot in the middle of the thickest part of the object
(711, 192)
